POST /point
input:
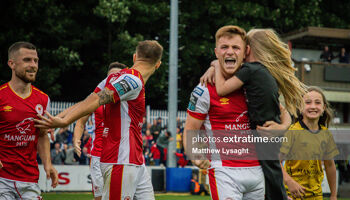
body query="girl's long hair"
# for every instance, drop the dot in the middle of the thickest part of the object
(274, 54)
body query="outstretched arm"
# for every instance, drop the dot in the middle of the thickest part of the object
(89, 105)
(225, 86)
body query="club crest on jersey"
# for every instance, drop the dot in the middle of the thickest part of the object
(198, 91)
(25, 125)
(132, 82)
(122, 87)
(7, 108)
(193, 103)
(224, 101)
(39, 109)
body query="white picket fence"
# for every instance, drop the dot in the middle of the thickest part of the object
(57, 107)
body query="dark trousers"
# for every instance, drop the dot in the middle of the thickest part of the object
(274, 186)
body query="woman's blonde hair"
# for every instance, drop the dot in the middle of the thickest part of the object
(269, 50)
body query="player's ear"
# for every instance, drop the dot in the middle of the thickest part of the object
(11, 64)
(158, 64)
(134, 57)
(215, 50)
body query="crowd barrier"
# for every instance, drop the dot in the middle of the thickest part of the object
(76, 178)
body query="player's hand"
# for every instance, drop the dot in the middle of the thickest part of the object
(270, 129)
(1, 165)
(77, 149)
(295, 189)
(51, 173)
(209, 75)
(49, 121)
(202, 164)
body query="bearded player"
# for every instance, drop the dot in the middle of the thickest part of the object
(20, 102)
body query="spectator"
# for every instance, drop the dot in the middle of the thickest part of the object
(179, 144)
(155, 154)
(326, 55)
(196, 187)
(162, 143)
(144, 126)
(57, 156)
(69, 155)
(90, 127)
(343, 56)
(64, 136)
(147, 157)
(181, 160)
(149, 138)
(156, 128)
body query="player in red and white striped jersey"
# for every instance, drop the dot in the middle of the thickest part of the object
(96, 149)
(229, 179)
(20, 102)
(123, 169)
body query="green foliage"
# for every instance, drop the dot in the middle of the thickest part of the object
(113, 10)
(78, 39)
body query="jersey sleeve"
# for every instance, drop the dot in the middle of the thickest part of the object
(331, 149)
(243, 74)
(100, 86)
(199, 104)
(126, 87)
(287, 145)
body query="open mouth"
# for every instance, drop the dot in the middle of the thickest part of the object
(230, 61)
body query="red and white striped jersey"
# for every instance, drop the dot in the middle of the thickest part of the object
(18, 136)
(122, 139)
(222, 113)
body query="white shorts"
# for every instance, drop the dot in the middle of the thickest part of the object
(237, 183)
(126, 182)
(96, 176)
(10, 190)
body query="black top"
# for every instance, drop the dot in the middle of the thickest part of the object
(261, 92)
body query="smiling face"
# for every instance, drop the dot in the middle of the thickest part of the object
(230, 51)
(314, 106)
(24, 65)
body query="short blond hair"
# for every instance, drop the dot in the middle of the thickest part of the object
(230, 31)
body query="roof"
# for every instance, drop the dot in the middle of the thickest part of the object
(317, 37)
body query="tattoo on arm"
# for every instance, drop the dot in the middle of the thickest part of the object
(106, 96)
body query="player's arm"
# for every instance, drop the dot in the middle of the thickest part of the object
(331, 177)
(68, 110)
(78, 132)
(223, 86)
(44, 153)
(193, 124)
(89, 105)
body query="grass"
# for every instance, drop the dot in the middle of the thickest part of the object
(88, 196)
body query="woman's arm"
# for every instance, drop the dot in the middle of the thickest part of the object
(225, 86)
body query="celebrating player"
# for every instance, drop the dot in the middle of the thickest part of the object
(20, 102)
(98, 116)
(124, 173)
(206, 107)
